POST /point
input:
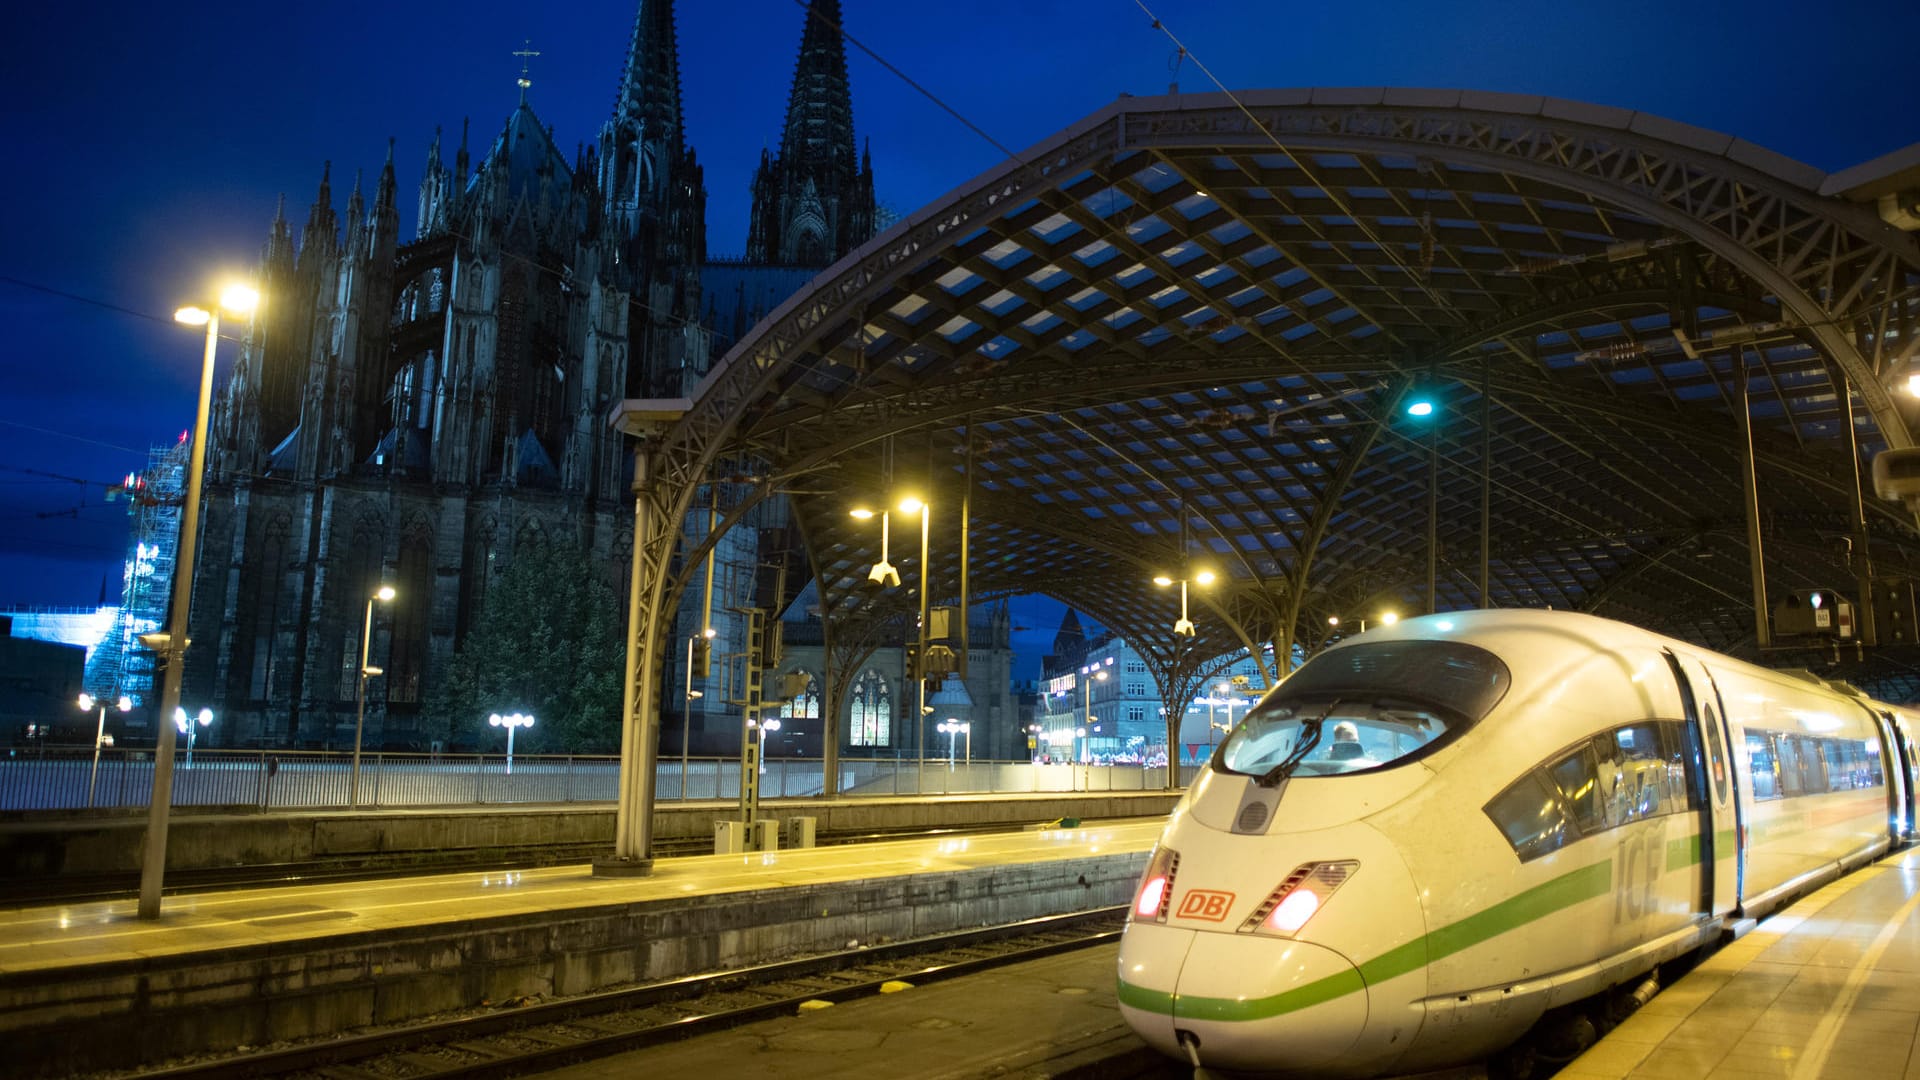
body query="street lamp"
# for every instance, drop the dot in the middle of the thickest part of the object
(686, 706)
(153, 860)
(1226, 693)
(953, 728)
(771, 723)
(1183, 625)
(384, 594)
(189, 728)
(1087, 684)
(512, 722)
(125, 705)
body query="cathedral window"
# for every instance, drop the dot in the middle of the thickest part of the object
(360, 576)
(264, 636)
(807, 705)
(872, 713)
(407, 670)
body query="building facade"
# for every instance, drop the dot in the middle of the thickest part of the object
(1098, 703)
(412, 411)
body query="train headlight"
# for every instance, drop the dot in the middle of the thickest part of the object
(1156, 886)
(1305, 891)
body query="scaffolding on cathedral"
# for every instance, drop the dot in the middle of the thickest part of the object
(121, 665)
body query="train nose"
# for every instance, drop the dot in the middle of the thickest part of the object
(1252, 1003)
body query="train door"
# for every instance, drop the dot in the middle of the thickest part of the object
(1722, 857)
(1900, 794)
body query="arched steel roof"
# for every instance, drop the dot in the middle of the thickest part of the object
(1191, 320)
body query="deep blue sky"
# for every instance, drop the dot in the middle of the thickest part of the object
(150, 144)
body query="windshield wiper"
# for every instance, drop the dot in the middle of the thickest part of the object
(1309, 738)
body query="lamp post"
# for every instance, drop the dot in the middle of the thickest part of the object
(1226, 698)
(686, 706)
(190, 728)
(384, 594)
(1183, 626)
(771, 723)
(1098, 676)
(153, 859)
(125, 705)
(953, 728)
(512, 722)
(885, 576)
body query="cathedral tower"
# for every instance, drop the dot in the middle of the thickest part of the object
(814, 202)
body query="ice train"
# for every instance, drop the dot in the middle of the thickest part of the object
(1477, 833)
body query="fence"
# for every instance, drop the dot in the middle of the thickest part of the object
(67, 778)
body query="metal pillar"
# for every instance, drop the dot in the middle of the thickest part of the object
(750, 703)
(639, 727)
(1762, 635)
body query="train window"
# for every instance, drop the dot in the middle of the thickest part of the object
(1577, 777)
(1762, 765)
(1532, 818)
(1802, 772)
(1639, 789)
(1449, 675)
(1366, 707)
(1349, 736)
(1716, 762)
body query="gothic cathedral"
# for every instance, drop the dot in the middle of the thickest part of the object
(412, 412)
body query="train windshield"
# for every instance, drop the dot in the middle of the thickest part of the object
(1365, 707)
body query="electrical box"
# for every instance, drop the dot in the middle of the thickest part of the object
(799, 832)
(939, 624)
(729, 838)
(766, 834)
(1894, 618)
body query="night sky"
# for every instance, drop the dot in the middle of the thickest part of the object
(150, 146)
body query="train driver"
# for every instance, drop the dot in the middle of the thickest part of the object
(1346, 743)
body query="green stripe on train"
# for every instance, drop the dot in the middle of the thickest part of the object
(1573, 887)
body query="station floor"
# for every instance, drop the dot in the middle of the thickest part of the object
(74, 935)
(1830, 987)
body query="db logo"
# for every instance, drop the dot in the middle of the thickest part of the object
(1205, 904)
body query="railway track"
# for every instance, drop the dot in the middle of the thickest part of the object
(521, 1039)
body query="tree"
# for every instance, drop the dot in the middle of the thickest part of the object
(547, 642)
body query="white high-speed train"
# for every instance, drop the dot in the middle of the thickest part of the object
(1482, 830)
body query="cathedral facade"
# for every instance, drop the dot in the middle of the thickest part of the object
(411, 412)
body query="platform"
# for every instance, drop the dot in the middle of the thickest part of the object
(1830, 987)
(248, 967)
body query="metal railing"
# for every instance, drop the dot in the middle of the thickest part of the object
(66, 778)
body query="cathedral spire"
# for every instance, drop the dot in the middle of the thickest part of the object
(650, 88)
(383, 195)
(649, 180)
(323, 229)
(813, 203)
(820, 108)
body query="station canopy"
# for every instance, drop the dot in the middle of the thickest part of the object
(1185, 334)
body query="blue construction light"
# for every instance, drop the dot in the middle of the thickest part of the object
(1420, 407)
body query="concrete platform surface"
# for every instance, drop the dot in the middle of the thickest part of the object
(75, 934)
(253, 967)
(1830, 987)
